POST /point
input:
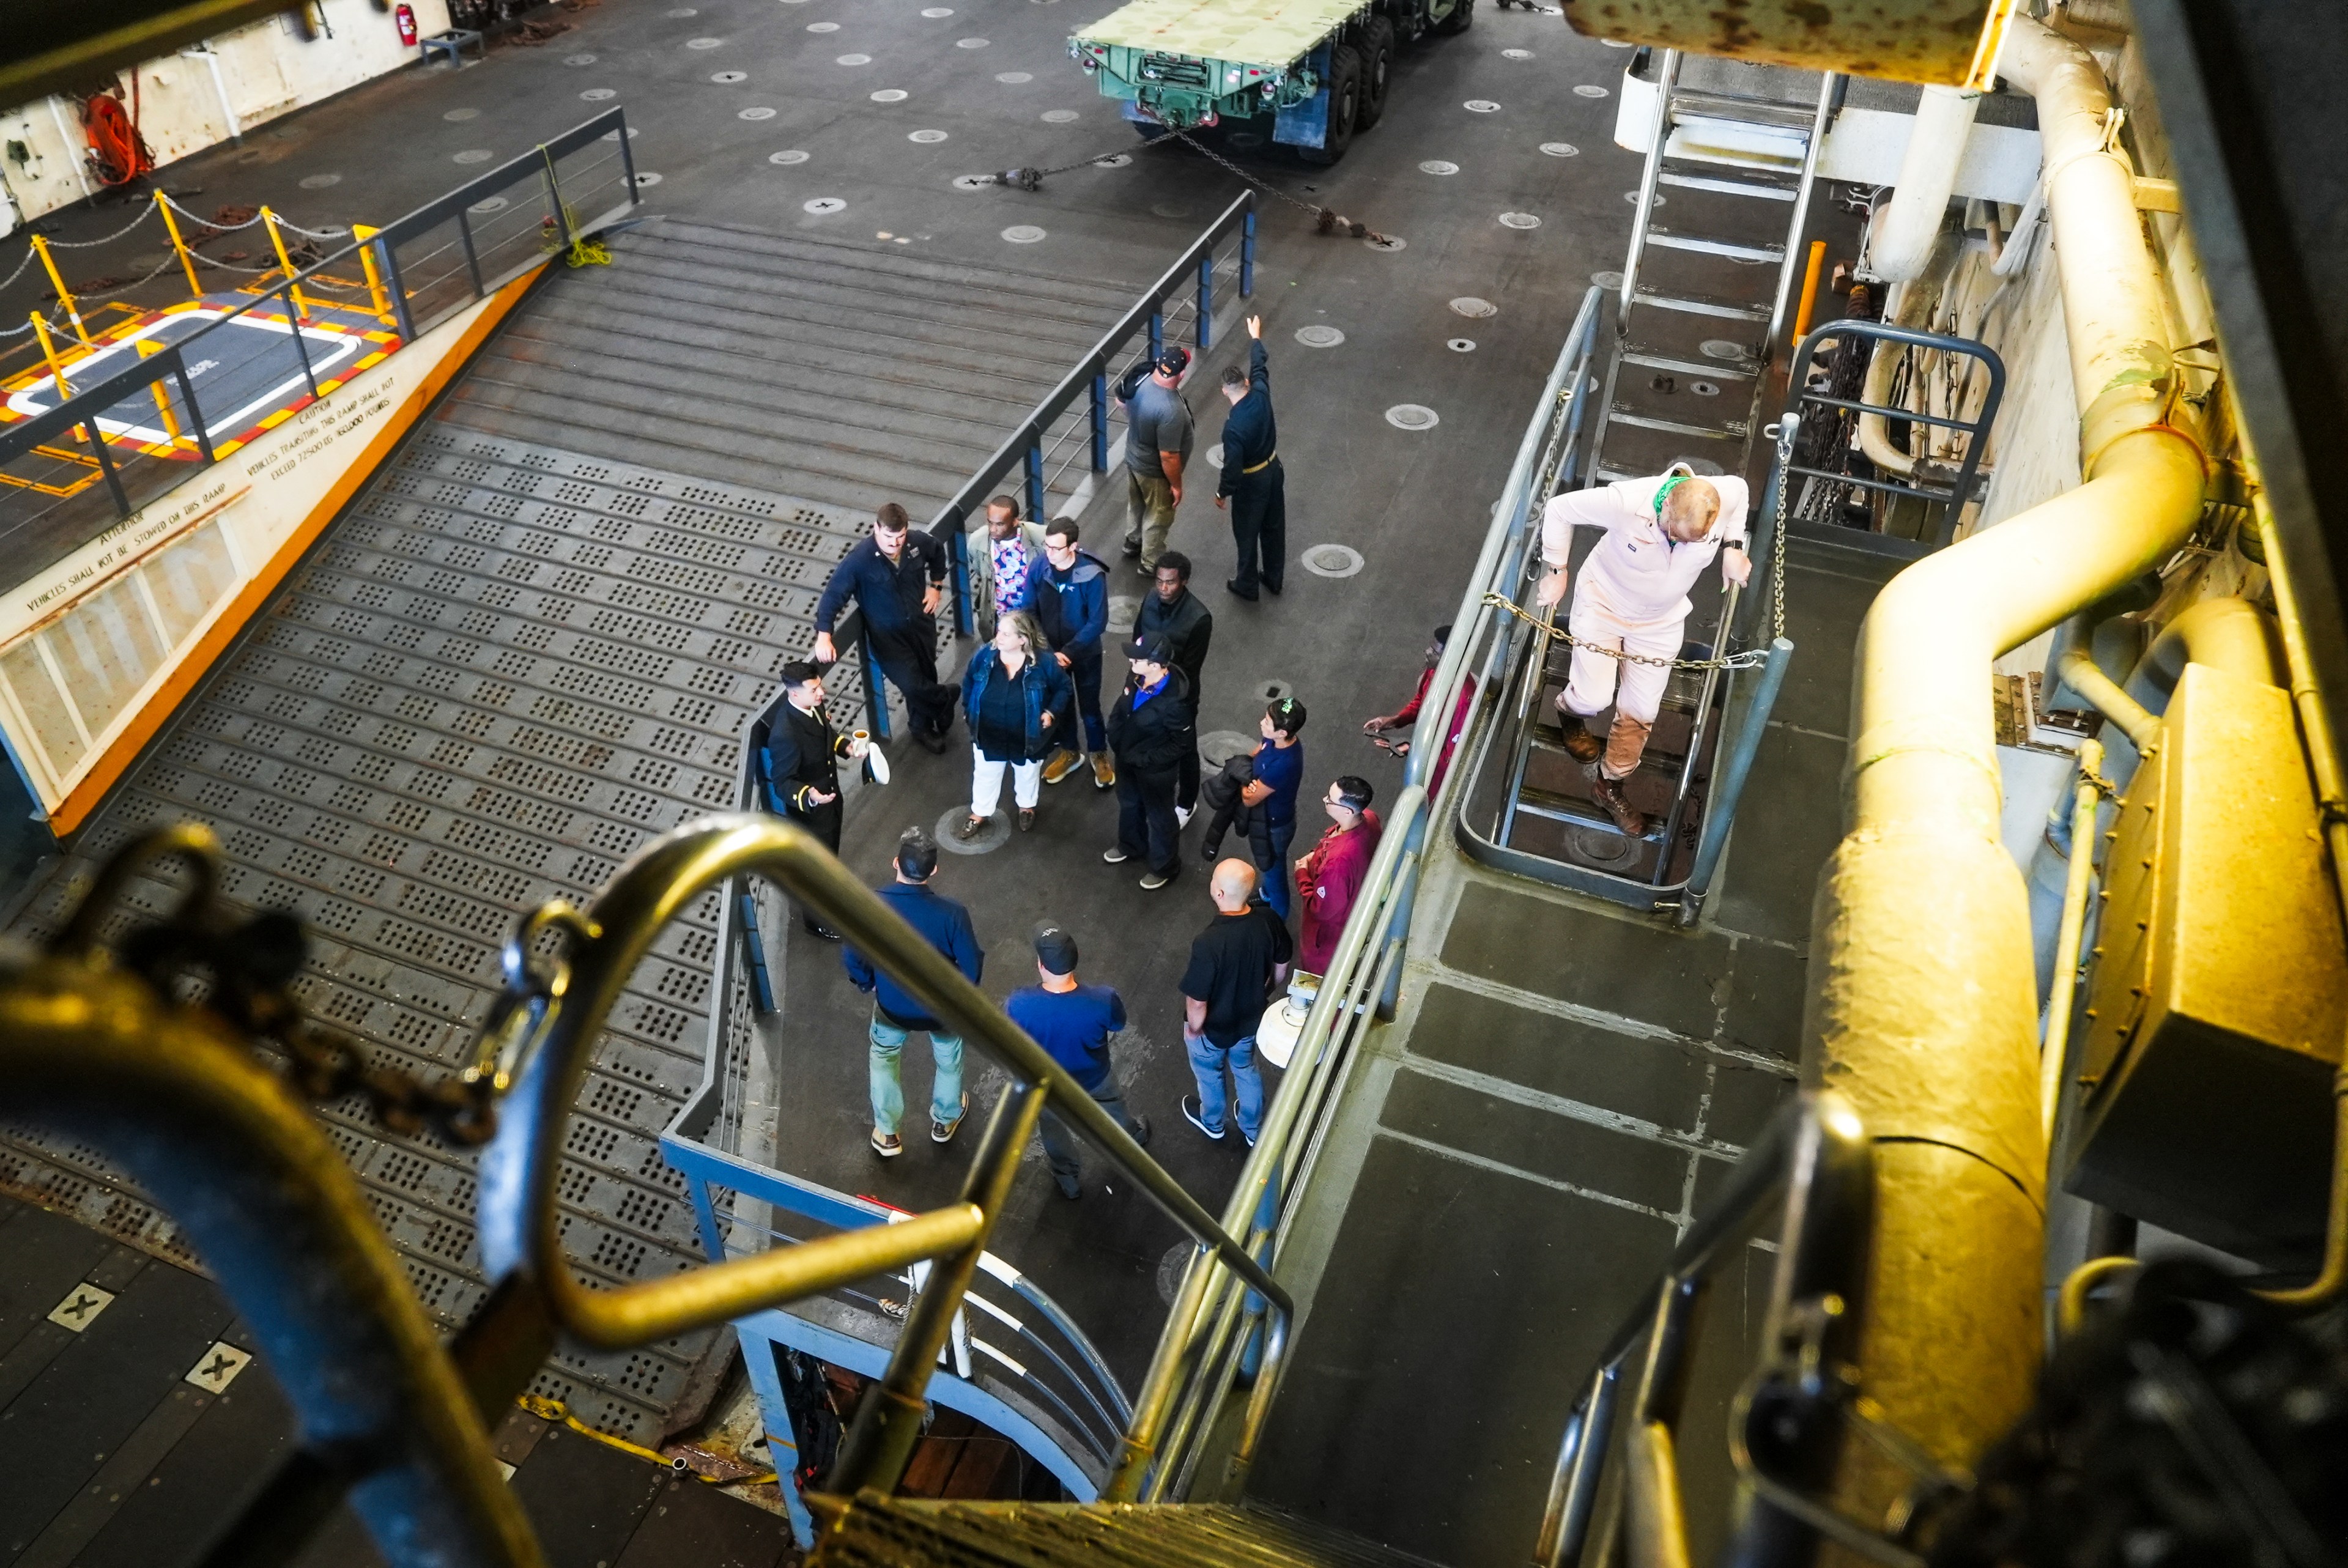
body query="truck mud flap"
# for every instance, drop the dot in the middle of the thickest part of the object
(1307, 124)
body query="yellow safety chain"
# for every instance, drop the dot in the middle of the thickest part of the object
(584, 251)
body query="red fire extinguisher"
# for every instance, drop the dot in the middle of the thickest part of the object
(406, 16)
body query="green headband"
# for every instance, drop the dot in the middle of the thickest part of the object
(1671, 482)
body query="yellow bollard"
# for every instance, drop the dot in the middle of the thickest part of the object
(48, 264)
(163, 397)
(361, 232)
(301, 305)
(49, 353)
(179, 245)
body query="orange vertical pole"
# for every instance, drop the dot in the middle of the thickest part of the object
(49, 353)
(162, 399)
(269, 221)
(1809, 290)
(179, 245)
(364, 232)
(49, 265)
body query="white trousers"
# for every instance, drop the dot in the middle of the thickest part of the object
(986, 783)
(1590, 685)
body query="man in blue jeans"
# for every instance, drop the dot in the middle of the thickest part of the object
(895, 1012)
(1068, 589)
(1072, 1023)
(1234, 964)
(1271, 799)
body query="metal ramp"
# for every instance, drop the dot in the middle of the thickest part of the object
(510, 665)
(1702, 304)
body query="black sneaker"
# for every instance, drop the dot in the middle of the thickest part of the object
(1140, 1131)
(1191, 1114)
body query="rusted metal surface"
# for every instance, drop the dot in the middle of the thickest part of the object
(1952, 42)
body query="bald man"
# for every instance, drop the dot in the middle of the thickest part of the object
(1661, 533)
(1234, 964)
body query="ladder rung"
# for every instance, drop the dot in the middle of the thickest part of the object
(1665, 239)
(1687, 367)
(1738, 109)
(1732, 187)
(1693, 305)
(1734, 431)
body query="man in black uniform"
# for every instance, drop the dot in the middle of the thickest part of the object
(1149, 730)
(802, 775)
(1175, 613)
(1254, 485)
(897, 578)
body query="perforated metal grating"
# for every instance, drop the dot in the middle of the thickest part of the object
(501, 674)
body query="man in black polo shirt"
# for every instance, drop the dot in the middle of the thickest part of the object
(1234, 964)
(897, 578)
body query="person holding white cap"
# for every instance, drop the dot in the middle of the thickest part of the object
(1074, 1022)
(1661, 534)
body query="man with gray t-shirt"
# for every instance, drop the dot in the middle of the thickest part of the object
(1157, 445)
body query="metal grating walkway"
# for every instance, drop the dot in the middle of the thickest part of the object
(505, 671)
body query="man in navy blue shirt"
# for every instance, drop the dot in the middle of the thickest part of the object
(1271, 799)
(896, 1013)
(1068, 589)
(897, 578)
(1072, 1023)
(1254, 486)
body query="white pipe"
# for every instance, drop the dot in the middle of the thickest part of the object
(1903, 239)
(210, 57)
(73, 158)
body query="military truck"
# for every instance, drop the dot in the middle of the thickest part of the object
(1309, 74)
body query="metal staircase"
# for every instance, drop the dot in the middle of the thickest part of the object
(1703, 297)
(876, 1530)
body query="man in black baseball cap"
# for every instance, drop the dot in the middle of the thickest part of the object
(1158, 432)
(1150, 729)
(1072, 1023)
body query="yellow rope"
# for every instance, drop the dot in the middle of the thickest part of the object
(589, 254)
(556, 1410)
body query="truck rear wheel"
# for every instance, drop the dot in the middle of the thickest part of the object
(1377, 47)
(1344, 106)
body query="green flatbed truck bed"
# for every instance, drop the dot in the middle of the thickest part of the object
(1314, 71)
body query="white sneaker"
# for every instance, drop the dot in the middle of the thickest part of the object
(1182, 815)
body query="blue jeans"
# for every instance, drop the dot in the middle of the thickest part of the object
(1207, 1059)
(1269, 843)
(888, 1089)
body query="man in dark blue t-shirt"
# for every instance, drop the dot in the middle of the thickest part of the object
(1072, 1023)
(1271, 799)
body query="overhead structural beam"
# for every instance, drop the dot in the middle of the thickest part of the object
(71, 46)
(1954, 43)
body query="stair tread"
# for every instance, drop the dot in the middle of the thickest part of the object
(889, 258)
(1698, 304)
(876, 1530)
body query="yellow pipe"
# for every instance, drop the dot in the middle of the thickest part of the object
(1924, 1010)
(2067, 940)
(179, 244)
(363, 233)
(147, 348)
(49, 353)
(65, 296)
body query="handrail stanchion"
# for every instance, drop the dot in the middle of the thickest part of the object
(65, 296)
(400, 314)
(472, 260)
(1100, 421)
(1247, 256)
(888, 1420)
(1729, 788)
(1157, 331)
(293, 329)
(106, 465)
(195, 414)
(876, 695)
(1035, 497)
(171, 226)
(1207, 300)
(958, 565)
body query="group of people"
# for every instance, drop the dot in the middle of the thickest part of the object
(1032, 699)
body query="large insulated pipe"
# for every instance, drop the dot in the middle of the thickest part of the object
(1903, 243)
(1923, 1009)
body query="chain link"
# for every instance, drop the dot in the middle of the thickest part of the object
(19, 273)
(207, 222)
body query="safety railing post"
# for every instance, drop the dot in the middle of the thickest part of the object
(705, 1213)
(1247, 255)
(1730, 788)
(1207, 300)
(627, 161)
(293, 327)
(958, 565)
(1036, 482)
(889, 1421)
(754, 955)
(876, 695)
(1156, 333)
(554, 203)
(472, 260)
(106, 467)
(398, 291)
(195, 414)
(1100, 421)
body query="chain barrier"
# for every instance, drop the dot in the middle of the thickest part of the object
(19, 273)
(1325, 220)
(144, 214)
(209, 224)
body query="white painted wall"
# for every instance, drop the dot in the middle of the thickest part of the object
(266, 70)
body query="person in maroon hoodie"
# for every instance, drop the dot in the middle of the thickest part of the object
(1330, 878)
(1406, 715)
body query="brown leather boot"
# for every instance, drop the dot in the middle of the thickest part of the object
(1608, 792)
(1579, 744)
